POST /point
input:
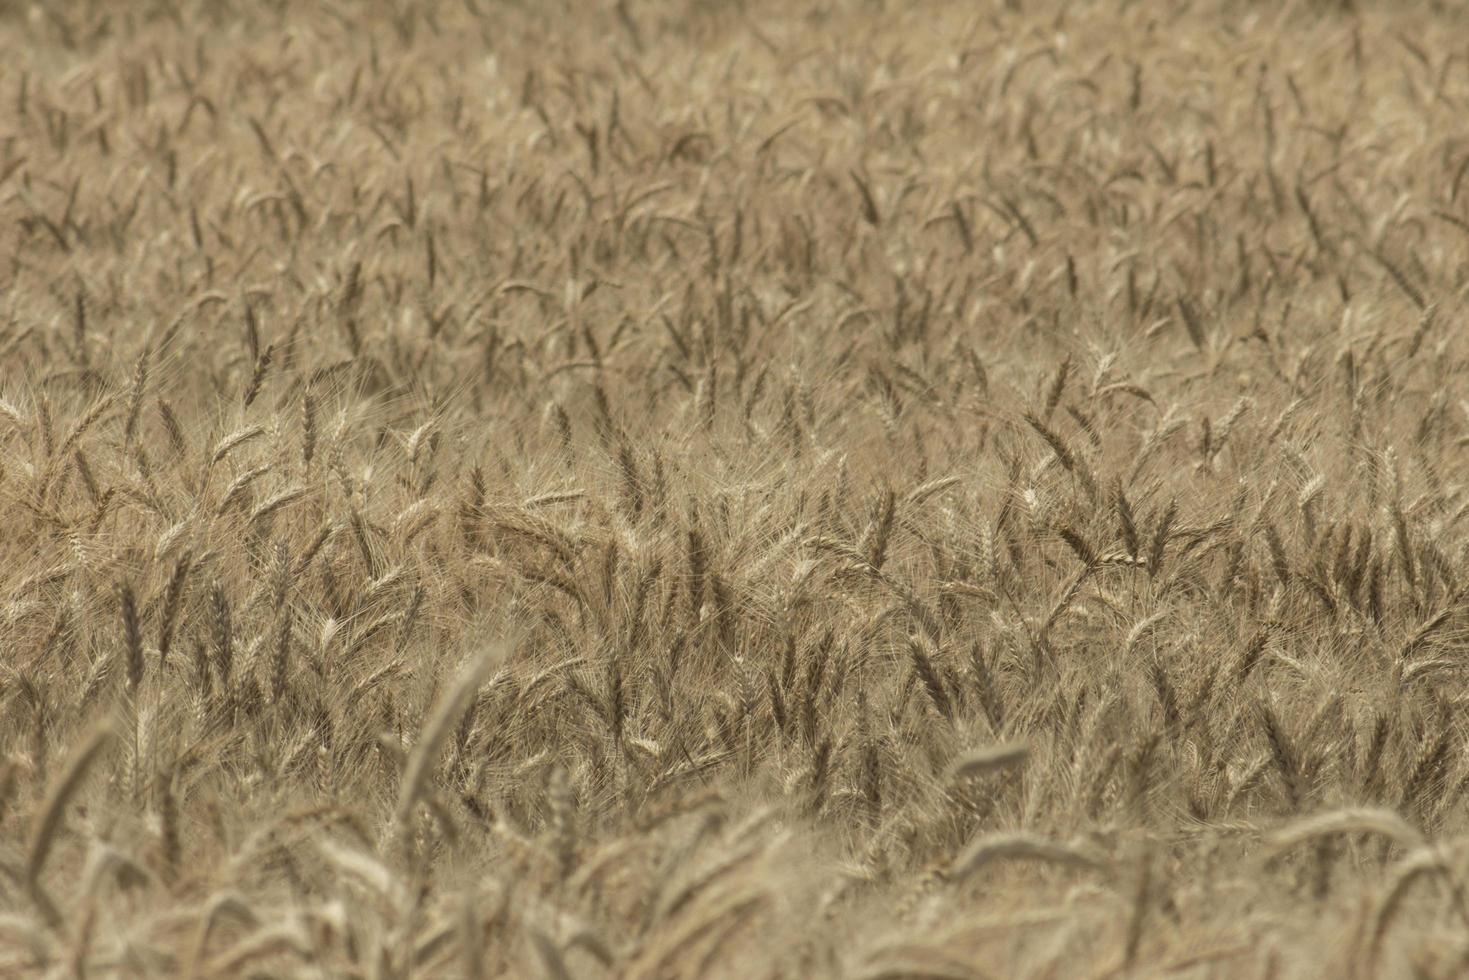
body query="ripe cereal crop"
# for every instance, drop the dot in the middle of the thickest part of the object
(734, 489)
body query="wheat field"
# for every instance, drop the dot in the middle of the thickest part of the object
(687, 489)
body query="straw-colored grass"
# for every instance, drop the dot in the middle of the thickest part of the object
(733, 489)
